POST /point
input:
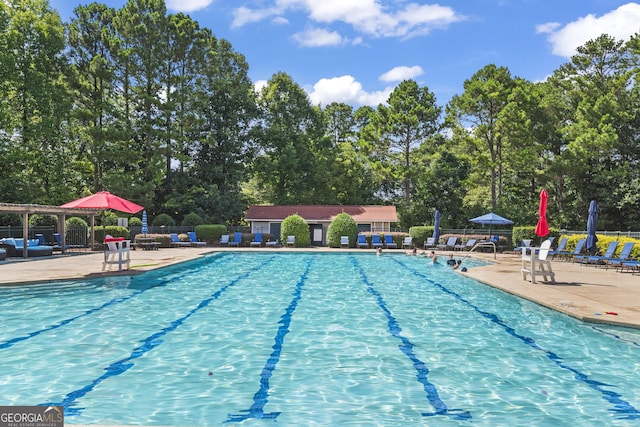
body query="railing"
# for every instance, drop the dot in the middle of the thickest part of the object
(483, 245)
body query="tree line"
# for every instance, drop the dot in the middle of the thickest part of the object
(157, 109)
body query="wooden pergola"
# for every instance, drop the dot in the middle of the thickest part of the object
(26, 210)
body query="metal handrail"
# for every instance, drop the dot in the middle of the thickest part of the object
(483, 244)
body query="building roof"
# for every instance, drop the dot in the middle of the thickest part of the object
(322, 212)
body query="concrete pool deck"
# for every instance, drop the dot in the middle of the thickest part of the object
(587, 293)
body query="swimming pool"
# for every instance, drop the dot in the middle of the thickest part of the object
(311, 339)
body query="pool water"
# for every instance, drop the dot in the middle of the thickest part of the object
(310, 339)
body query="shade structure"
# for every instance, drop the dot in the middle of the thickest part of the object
(592, 224)
(145, 226)
(491, 219)
(542, 228)
(436, 227)
(105, 200)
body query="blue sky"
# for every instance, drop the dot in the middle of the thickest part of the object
(357, 51)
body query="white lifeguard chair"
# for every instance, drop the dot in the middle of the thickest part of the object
(535, 263)
(117, 253)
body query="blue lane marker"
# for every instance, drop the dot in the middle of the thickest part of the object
(262, 395)
(440, 408)
(621, 408)
(148, 344)
(616, 336)
(11, 342)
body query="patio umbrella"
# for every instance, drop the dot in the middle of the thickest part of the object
(592, 224)
(105, 200)
(542, 228)
(145, 227)
(436, 227)
(491, 219)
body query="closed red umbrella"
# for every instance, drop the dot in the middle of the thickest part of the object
(542, 229)
(105, 200)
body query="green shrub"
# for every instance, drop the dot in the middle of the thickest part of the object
(210, 233)
(192, 219)
(109, 218)
(420, 234)
(134, 221)
(39, 220)
(342, 225)
(112, 230)
(163, 219)
(75, 221)
(295, 225)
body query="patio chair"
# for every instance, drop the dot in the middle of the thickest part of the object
(224, 240)
(344, 241)
(389, 243)
(362, 241)
(193, 239)
(272, 243)
(597, 259)
(375, 241)
(429, 243)
(570, 254)
(177, 243)
(291, 241)
(525, 243)
(560, 249)
(450, 245)
(257, 240)
(237, 239)
(466, 246)
(407, 243)
(625, 256)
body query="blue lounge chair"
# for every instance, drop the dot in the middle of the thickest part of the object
(450, 245)
(237, 239)
(429, 243)
(177, 243)
(224, 240)
(389, 243)
(560, 248)
(257, 240)
(466, 246)
(625, 256)
(272, 243)
(362, 241)
(599, 259)
(569, 254)
(194, 240)
(525, 243)
(375, 241)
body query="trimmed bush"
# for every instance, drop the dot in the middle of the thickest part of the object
(163, 219)
(342, 225)
(210, 233)
(39, 220)
(113, 230)
(192, 219)
(134, 221)
(295, 225)
(420, 234)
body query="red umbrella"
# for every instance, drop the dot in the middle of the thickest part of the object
(104, 200)
(542, 229)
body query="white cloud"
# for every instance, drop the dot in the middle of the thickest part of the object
(318, 37)
(347, 90)
(620, 23)
(366, 16)
(399, 74)
(187, 5)
(257, 86)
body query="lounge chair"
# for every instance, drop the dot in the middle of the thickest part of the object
(237, 239)
(407, 243)
(344, 241)
(595, 259)
(291, 241)
(429, 243)
(525, 243)
(224, 240)
(177, 243)
(538, 264)
(389, 243)
(450, 245)
(272, 243)
(362, 241)
(257, 240)
(467, 246)
(375, 241)
(15, 247)
(576, 251)
(625, 256)
(193, 239)
(560, 249)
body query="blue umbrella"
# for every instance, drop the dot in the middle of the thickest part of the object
(491, 219)
(592, 224)
(145, 227)
(436, 227)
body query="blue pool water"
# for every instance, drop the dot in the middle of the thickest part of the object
(310, 340)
